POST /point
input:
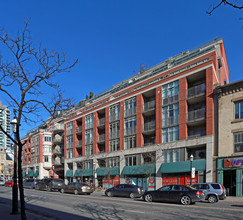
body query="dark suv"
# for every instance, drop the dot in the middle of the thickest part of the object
(50, 184)
(213, 191)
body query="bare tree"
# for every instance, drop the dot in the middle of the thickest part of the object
(27, 79)
(233, 4)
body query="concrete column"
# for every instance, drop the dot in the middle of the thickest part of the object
(65, 171)
(158, 165)
(122, 165)
(74, 169)
(209, 160)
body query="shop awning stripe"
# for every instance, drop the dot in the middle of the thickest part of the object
(139, 170)
(108, 171)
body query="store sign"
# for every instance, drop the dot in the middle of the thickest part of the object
(233, 162)
(193, 172)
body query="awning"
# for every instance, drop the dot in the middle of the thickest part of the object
(30, 173)
(183, 166)
(36, 173)
(23, 173)
(139, 170)
(69, 173)
(108, 171)
(79, 173)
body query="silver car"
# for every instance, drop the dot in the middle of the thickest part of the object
(212, 191)
(2, 182)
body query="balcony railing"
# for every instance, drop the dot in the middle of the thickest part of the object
(89, 126)
(79, 144)
(170, 121)
(196, 115)
(196, 91)
(58, 127)
(149, 126)
(69, 132)
(57, 152)
(69, 145)
(101, 138)
(192, 136)
(101, 122)
(88, 141)
(58, 140)
(79, 129)
(114, 135)
(130, 131)
(130, 111)
(114, 117)
(149, 106)
(170, 99)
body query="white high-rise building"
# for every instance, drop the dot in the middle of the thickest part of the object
(5, 122)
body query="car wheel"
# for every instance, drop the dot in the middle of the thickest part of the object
(212, 199)
(76, 192)
(109, 194)
(62, 190)
(148, 198)
(185, 200)
(132, 195)
(87, 193)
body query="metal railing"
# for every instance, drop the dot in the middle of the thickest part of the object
(114, 135)
(149, 126)
(69, 132)
(69, 145)
(88, 141)
(79, 144)
(89, 126)
(129, 112)
(149, 106)
(114, 117)
(130, 131)
(101, 138)
(196, 91)
(58, 140)
(79, 129)
(58, 127)
(100, 122)
(170, 121)
(57, 151)
(196, 115)
(171, 99)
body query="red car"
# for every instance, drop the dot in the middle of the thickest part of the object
(10, 183)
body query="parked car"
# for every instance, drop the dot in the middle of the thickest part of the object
(174, 193)
(30, 183)
(9, 183)
(2, 182)
(125, 190)
(213, 191)
(50, 184)
(77, 188)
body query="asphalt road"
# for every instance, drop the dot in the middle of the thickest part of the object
(55, 205)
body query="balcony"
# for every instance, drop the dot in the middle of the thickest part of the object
(101, 139)
(149, 108)
(196, 117)
(114, 117)
(79, 144)
(171, 99)
(58, 128)
(193, 136)
(130, 131)
(196, 94)
(170, 121)
(58, 140)
(114, 135)
(130, 112)
(79, 130)
(57, 152)
(149, 127)
(88, 141)
(58, 161)
(101, 123)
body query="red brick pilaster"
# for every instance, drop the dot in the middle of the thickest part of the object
(182, 108)
(209, 102)
(41, 148)
(139, 136)
(65, 140)
(75, 139)
(83, 136)
(122, 104)
(107, 129)
(158, 114)
(95, 133)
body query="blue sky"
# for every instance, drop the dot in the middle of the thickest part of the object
(111, 38)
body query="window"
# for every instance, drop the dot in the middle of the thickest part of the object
(46, 159)
(113, 162)
(69, 153)
(69, 125)
(170, 92)
(131, 160)
(238, 142)
(47, 148)
(89, 137)
(130, 126)
(130, 142)
(89, 121)
(47, 138)
(170, 134)
(114, 145)
(89, 150)
(171, 155)
(69, 141)
(88, 165)
(114, 130)
(51, 128)
(239, 110)
(170, 115)
(115, 112)
(130, 107)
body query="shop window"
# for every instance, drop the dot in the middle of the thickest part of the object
(131, 160)
(239, 110)
(238, 142)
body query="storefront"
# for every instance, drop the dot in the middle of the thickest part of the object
(84, 176)
(180, 172)
(230, 174)
(143, 176)
(69, 175)
(108, 177)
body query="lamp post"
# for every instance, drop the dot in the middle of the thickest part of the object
(94, 174)
(191, 159)
(15, 187)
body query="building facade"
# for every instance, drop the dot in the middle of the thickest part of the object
(6, 165)
(5, 122)
(144, 130)
(230, 139)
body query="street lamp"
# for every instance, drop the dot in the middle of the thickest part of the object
(94, 174)
(191, 159)
(15, 187)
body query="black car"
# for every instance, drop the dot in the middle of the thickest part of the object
(174, 193)
(50, 184)
(30, 183)
(125, 190)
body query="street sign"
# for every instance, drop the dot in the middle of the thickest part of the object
(193, 172)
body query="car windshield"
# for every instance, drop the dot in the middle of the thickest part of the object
(58, 180)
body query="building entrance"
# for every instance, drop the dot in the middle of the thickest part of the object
(230, 182)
